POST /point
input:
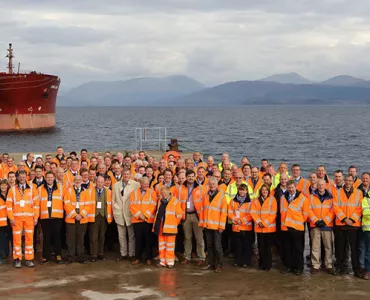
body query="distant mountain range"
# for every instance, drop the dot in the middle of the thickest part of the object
(280, 89)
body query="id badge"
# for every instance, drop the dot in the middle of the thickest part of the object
(188, 205)
(77, 205)
(49, 204)
(237, 214)
(98, 204)
(21, 203)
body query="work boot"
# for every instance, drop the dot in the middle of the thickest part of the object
(135, 262)
(201, 263)
(29, 263)
(149, 262)
(330, 271)
(132, 258)
(122, 258)
(1, 262)
(366, 276)
(170, 266)
(218, 270)
(17, 263)
(44, 261)
(286, 270)
(185, 261)
(93, 259)
(159, 265)
(314, 271)
(101, 257)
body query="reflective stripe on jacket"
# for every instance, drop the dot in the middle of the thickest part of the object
(321, 210)
(57, 207)
(173, 216)
(145, 205)
(366, 214)
(295, 213)
(29, 199)
(348, 208)
(244, 216)
(214, 212)
(70, 202)
(266, 214)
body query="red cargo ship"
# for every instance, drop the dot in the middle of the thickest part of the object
(27, 100)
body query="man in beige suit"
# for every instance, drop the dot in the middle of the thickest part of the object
(122, 215)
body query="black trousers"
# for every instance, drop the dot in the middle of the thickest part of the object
(35, 235)
(4, 242)
(143, 239)
(341, 237)
(243, 247)
(75, 239)
(214, 246)
(228, 241)
(97, 235)
(51, 229)
(264, 248)
(293, 243)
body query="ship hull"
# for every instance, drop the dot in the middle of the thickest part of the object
(27, 101)
(26, 121)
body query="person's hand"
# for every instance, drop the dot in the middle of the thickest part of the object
(35, 222)
(220, 230)
(12, 223)
(142, 217)
(78, 217)
(349, 222)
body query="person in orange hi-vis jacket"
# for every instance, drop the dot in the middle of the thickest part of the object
(348, 212)
(263, 212)
(213, 219)
(51, 218)
(76, 211)
(294, 208)
(239, 214)
(23, 207)
(143, 205)
(169, 215)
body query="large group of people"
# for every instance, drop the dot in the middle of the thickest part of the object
(201, 209)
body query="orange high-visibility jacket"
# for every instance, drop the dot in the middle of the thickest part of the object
(302, 185)
(70, 202)
(182, 193)
(3, 213)
(7, 170)
(69, 178)
(257, 187)
(23, 204)
(173, 216)
(357, 183)
(57, 205)
(113, 178)
(29, 168)
(348, 208)
(295, 213)
(236, 212)
(145, 205)
(214, 212)
(321, 210)
(172, 188)
(57, 161)
(265, 213)
(91, 202)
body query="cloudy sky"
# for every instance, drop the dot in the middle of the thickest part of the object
(213, 41)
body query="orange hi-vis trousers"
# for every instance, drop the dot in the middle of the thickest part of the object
(26, 224)
(167, 249)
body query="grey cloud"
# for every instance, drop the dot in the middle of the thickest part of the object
(211, 40)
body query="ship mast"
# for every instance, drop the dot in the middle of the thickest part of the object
(10, 56)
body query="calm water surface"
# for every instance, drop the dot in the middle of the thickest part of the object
(309, 135)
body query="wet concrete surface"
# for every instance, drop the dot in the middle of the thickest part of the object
(121, 281)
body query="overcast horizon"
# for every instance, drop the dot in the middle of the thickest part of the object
(213, 41)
